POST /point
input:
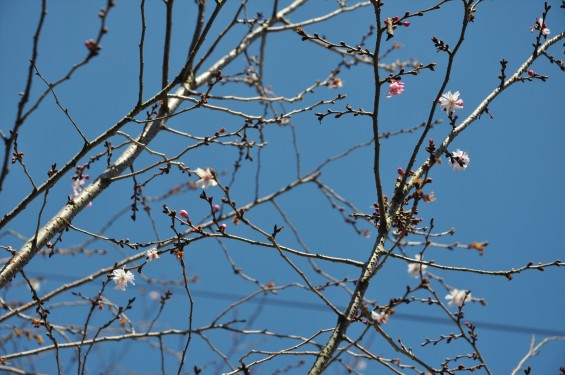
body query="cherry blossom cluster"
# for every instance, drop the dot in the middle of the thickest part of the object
(459, 160)
(540, 25)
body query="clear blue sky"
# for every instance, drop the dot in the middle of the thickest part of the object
(511, 195)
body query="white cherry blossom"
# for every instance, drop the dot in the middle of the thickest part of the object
(458, 297)
(206, 178)
(122, 277)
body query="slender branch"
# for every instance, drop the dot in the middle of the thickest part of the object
(534, 350)
(8, 142)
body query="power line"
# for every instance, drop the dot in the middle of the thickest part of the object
(301, 305)
(397, 315)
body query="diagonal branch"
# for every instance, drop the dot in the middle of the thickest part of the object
(71, 209)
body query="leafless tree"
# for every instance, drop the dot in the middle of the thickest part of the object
(221, 184)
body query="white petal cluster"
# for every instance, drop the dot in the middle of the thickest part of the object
(416, 269)
(122, 277)
(463, 162)
(380, 318)
(451, 102)
(458, 297)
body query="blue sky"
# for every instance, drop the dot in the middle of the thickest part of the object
(511, 195)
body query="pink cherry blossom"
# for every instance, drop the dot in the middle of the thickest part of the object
(152, 254)
(395, 88)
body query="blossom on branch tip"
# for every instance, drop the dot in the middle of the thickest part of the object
(450, 102)
(122, 277)
(458, 297)
(416, 269)
(184, 214)
(206, 178)
(152, 254)
(540, 25)
(395, 88)
(459, 160)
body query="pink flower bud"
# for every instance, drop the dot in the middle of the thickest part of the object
(406, 23)
(223, 227)
(396, 18)
(400, 171)
(184, 214)
(531, 73)
(215, 207)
